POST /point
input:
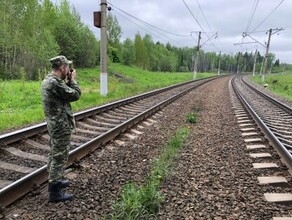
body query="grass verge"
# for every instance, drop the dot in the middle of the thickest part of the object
(277, 83)
(21, 100)
(143, 202)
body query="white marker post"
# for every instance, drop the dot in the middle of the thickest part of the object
(103, 50)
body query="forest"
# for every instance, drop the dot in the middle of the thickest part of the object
(32, 31)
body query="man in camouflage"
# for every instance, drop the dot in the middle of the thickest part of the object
(58, 89)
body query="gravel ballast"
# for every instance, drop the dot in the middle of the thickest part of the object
(212, 176)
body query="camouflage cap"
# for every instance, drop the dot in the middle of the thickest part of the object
(59, 60)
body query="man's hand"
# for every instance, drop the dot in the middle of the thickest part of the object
(71, 75)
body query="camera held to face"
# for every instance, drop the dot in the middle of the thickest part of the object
(69, 74)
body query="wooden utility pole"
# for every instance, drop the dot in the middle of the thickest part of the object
(103, 49)
(197, 57)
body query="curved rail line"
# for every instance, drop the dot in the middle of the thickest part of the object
(271, 116)
(95, 127)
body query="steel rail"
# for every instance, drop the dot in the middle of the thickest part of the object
(19, 188)
(278, 146)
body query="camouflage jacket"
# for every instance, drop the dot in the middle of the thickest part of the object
(56, 97)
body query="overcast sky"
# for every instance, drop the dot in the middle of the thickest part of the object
(228, 18)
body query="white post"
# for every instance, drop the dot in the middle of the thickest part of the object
(219, 65)
(254, 63)
(103, 50)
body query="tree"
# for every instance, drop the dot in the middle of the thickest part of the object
(277, 63)
(32, 31)
(75, 40)
(88, 48)
(140, 51)
(149, 47)
(114, 31)
(128, 52)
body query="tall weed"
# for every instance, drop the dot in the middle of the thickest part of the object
(143, 202)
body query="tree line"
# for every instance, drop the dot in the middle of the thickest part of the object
(32, 31)
(155, 56)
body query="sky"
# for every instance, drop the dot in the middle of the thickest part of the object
(221, 23)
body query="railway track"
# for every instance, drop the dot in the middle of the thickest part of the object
(23, 153)
(266, 123)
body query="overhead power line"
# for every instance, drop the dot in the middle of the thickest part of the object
(157, 28)
(163, 37)
(193, 15)
(269, 15)
(252, 15)
(209, 38)
(161, 33)
(203, 14)
(203, 31)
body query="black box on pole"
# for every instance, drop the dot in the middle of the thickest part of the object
(97, 19)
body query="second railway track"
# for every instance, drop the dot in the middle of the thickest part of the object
(274, 120)
(273, 116)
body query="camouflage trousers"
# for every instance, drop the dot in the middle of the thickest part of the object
(58, 157)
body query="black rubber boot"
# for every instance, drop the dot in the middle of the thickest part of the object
(56, 193)
(64, 183)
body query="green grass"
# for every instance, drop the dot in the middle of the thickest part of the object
(143, 202)
(21, 100)
(191, 117)
(280, 84)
